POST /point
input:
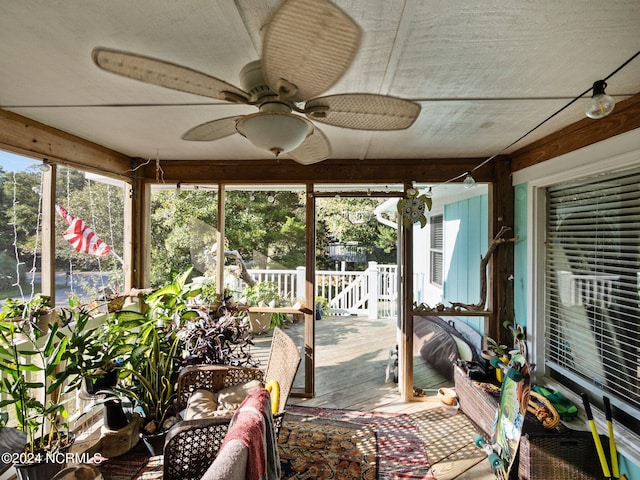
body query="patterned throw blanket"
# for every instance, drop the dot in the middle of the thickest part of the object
(252, 424)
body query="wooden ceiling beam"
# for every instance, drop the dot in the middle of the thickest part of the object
(624, 118)
(285, 171)
(33, 139)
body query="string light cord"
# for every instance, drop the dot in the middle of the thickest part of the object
(14, 224)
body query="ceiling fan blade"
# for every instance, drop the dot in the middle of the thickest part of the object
(209, 131)
(314, 149)
(363, 111)
(165, 74)
(308, 45)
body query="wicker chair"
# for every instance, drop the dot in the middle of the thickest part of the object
(191, 445)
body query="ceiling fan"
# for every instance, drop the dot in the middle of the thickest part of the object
(307, 48)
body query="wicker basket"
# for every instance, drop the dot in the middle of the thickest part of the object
(478, 406)
(568, 455)
(542, 454)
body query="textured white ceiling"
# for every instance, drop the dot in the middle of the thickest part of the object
(484, 72)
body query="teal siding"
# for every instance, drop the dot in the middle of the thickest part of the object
(465, 242)
(520, 255)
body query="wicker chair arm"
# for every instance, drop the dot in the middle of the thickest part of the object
(213, 378)
(191, 446)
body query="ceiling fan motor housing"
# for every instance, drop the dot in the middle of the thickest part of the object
(252, 81)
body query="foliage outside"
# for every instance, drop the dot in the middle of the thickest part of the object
(266, 228)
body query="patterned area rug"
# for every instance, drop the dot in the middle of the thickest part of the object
(329, 451)
(125, 467)
(312, 434)
(319, 443)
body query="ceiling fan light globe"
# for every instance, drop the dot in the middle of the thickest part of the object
(274, 131)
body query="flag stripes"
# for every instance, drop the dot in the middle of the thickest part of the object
(81, 237)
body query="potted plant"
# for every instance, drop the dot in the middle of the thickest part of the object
(496, 349)
(219, 337)
(34, 367)
(264, 294)
(150, 373)
(37, 311)
(94, 354)
(321, 307)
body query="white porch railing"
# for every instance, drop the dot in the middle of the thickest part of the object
(372, 293)
(576, 290)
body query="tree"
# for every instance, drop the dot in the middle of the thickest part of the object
(267, 229)
(19, 217)
(182, 228)
(353, 220)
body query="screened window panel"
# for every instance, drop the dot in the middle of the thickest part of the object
(592, 315)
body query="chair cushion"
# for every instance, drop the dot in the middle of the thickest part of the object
(230, 398)
(202, 404)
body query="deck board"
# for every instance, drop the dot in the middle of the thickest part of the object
(351, 362)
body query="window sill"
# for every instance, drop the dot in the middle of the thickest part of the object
(627, 442)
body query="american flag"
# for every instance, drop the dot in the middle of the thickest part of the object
(81, 237)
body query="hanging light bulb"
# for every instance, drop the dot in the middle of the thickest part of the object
(600, 104)
(469, 181)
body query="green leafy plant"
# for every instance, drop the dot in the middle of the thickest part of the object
(26, 309)
(321, 307)
(217, 337)
(152, 367)
(497, 348)
(34, 368)
(93, 352)
(208, 293)
(264, 294)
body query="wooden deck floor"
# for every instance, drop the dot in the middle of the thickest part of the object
(351, 362)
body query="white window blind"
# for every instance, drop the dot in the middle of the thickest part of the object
(592, 315)
(437, 243)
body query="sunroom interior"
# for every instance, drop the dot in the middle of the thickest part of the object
(501, 95)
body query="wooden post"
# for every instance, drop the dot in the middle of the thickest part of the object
(501, 271)
(310, 322)
(137, 235)
(405, 348)
(220, 242)
(48, 257)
